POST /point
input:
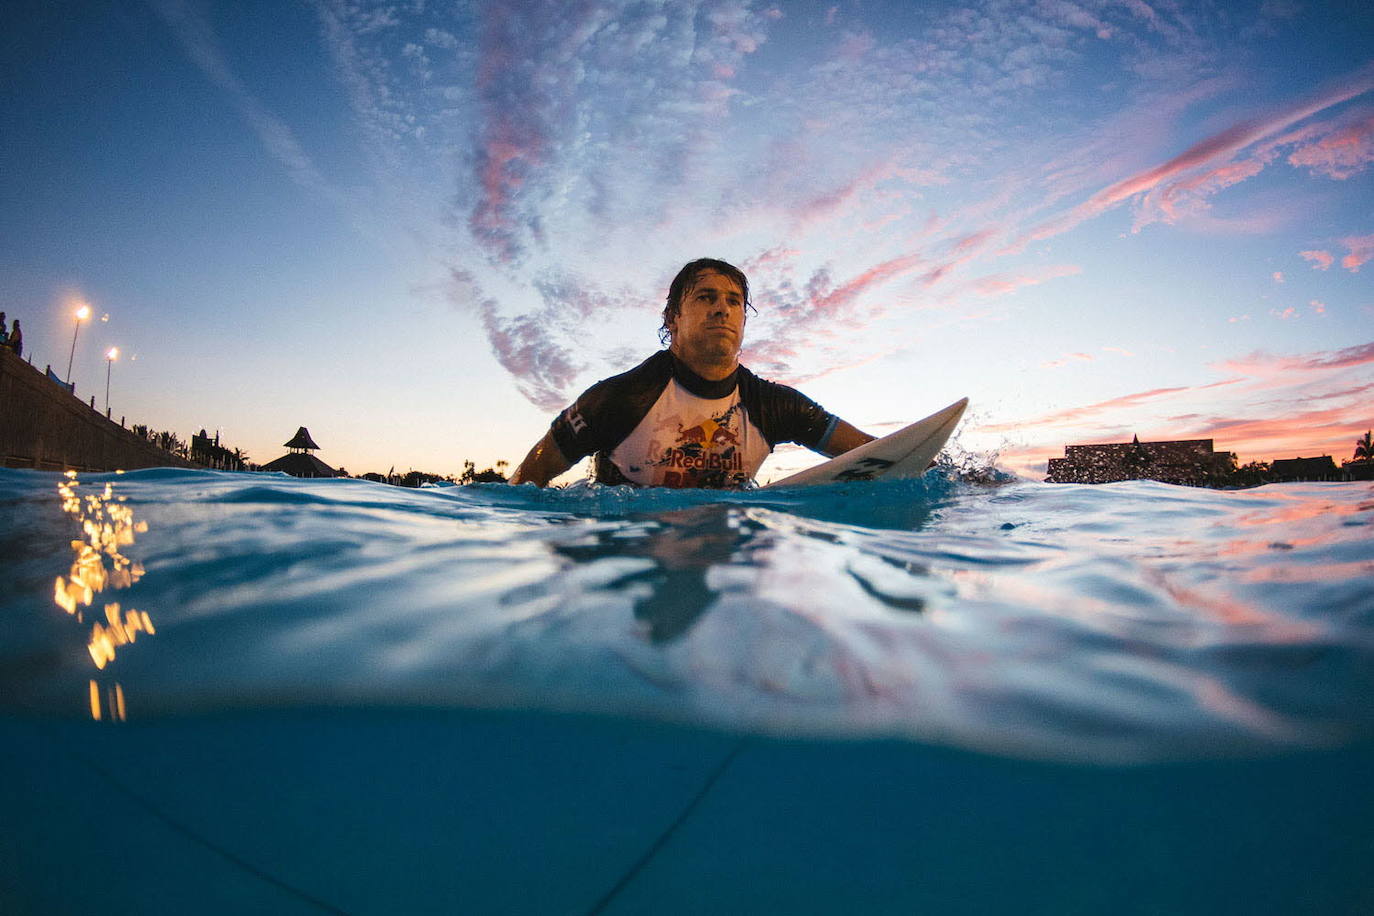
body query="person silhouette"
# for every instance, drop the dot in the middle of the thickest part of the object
(16, 339)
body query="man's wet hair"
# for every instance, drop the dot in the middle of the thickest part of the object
(684, 281)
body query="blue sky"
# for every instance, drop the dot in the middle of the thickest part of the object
(419, 228)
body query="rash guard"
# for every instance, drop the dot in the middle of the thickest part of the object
(662, 425)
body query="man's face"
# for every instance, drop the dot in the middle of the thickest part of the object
(709, 325)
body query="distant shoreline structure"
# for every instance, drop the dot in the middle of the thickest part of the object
(1191, 463)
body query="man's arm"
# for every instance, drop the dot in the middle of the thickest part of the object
(544, 462)
(844, 438)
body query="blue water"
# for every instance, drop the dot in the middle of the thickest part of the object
(953, 695)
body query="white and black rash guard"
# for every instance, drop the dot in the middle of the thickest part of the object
(662, 425)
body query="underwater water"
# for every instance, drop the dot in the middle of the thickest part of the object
(250, 691)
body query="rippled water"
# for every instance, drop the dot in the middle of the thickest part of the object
(1131, 621)
(1134, 624)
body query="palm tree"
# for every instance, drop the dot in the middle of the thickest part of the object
(1364, 448)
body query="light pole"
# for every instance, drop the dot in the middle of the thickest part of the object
(110, 356)
(81, 315)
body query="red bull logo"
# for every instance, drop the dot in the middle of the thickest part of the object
(695, 435)
(704, 461)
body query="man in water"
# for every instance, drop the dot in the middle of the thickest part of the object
(690, 415)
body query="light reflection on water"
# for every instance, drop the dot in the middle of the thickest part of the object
(107, 526)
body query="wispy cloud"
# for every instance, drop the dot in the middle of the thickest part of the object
(1320, 260)
(1095, 412)
(1261, 363)
(193, 31)
(1003, 284)
(1066, 360)
(816, 311)
(1342, 153)
(1183, 182)
(562, 96)
(543, 369)
(1361, 249)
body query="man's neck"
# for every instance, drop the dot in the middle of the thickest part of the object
(701, 386)
(711, 370)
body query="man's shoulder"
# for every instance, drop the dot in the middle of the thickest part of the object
(766, 387)
(657, 368)
(783, 413)
(605, 413)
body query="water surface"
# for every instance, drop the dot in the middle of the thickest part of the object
(892, 672)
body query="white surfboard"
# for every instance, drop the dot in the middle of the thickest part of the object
(905, 453)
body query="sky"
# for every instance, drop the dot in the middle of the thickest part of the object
(421, 228)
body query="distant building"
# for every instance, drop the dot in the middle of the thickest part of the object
(209, 453)
(1192, 462)
(1323, 468)
(299, 462)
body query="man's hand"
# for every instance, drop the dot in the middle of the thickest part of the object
(544, 462)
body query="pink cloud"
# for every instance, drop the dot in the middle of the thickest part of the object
(1002, 284)
(834, 203)
(1260, 363)
(1121, 350)
(1278, 276)
(542, 368)
(1321, 260)
(1318, 306)
(1064, 361)
(881, 273)
(817, 310)
(1284, 315)
(1089, 411)
(1321, 430)
(1236, 318)
(1361, 250)
(1212, 153)
(965, 249)
(1340, 154)
(772, 259)
(1178, 199)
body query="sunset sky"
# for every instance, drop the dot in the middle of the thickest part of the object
(420, 228)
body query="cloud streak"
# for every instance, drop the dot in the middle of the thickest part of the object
(198, 40)
(1205, 167)
(1265, 364)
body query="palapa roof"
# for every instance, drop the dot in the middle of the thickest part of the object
(301, 440)
(300, 464)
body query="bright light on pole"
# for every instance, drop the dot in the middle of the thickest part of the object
(110, 356)
(81, 315)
